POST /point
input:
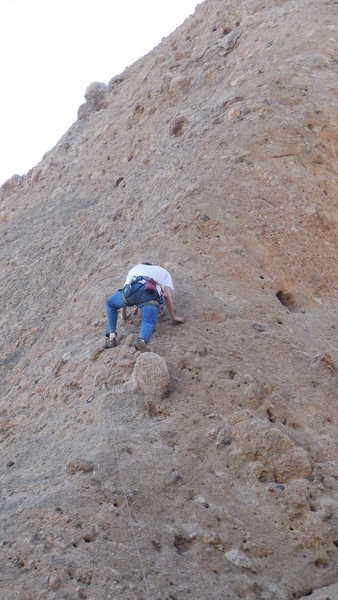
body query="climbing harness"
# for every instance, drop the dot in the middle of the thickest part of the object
(103, 386)
(130, 289)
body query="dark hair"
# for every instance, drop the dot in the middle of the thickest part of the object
(146, 263)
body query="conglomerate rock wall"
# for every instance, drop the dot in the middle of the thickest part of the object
(205, 469)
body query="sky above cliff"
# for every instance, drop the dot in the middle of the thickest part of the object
(52, 50)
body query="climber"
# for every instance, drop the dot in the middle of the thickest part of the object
(147, 287)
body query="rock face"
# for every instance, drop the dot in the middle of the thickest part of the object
(151, 375)
(96, 97)
(215, 156)
(280, 458)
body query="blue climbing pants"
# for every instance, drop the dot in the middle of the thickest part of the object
(139, 299)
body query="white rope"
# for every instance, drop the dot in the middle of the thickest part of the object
(131, 522)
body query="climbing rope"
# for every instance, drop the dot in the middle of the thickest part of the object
(103, 386)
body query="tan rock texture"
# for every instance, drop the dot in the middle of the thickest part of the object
(151, 375)
(214, 156)
(255, 440)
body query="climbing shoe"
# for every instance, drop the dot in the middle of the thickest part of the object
(141, 345)
(111, 340)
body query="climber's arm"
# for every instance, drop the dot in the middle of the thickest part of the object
(170, 307)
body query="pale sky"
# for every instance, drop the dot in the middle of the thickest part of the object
(51, 50)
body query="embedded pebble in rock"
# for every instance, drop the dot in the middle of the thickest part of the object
(280, 486)
(96, 95)
(54, 583)
(213, 540)
(79, 465)
(239, 559)
(329, 592)
(214, 155)
(151, 375)
(255, 440)
(234, 113)
(224, 437)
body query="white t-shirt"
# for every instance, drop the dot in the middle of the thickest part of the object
(158, 274)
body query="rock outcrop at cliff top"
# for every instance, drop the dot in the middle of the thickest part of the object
(214, 155)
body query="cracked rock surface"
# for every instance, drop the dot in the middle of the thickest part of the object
(212, 459)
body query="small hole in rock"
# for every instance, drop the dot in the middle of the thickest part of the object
(320, 562)
(287, 299)
(271, 416)
(182, 544)
(89, 538)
